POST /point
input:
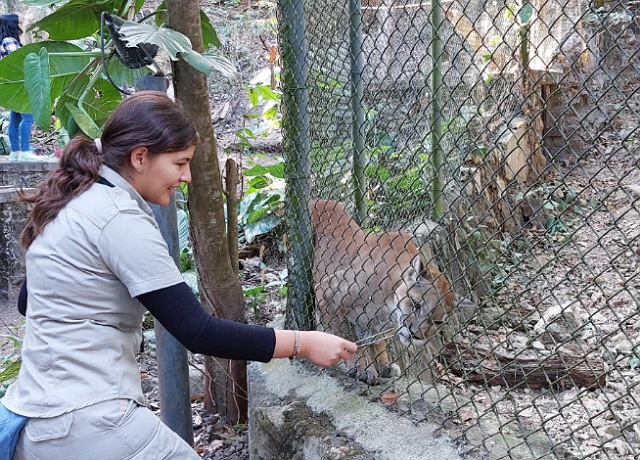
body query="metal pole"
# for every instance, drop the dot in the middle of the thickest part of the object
(357, 108)
(295, 99)
(436, 103)
(173, 368)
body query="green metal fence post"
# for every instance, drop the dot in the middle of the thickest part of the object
(436, 104)
(296, 148)
(357, 108)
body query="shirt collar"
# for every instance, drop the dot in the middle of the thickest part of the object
(119, 181)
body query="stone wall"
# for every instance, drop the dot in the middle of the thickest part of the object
(15, 176)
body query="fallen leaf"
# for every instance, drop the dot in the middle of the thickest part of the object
(466, 415)
(390, 396)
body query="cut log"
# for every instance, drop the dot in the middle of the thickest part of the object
(491, 367)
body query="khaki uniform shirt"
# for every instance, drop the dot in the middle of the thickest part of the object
(83, 325)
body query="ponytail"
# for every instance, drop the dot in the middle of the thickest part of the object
(78, 169)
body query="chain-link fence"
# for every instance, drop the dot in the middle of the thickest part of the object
(487, 153)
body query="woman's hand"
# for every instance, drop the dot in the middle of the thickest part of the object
(324, 349)
(318, 347)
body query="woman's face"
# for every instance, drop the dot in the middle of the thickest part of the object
(156, 177)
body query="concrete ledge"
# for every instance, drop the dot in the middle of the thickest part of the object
(14, 176)
(24, 173)
(299, 412)
(12, 217)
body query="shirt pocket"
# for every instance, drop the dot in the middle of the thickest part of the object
(47, 429)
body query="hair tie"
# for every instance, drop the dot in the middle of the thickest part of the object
(98, 143)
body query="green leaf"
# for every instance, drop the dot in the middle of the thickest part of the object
(11, 371)
(208, 62)
(86, 124)
(258, 182)
(122, 75)
(508, 13)
(271, 113)
(261, 227)
(254, 96)
(63, 69)
(209, 35)
(98, 104)
(36, 80)
(76, 19)
(251, 291)
(276, 170)
(267, 93)
(172, 41)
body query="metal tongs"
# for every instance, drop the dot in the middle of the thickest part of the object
(376, 338)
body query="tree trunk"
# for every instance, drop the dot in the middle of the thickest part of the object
(491, 367)
(220, 289)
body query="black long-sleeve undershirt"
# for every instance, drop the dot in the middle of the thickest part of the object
(22, 299)
(179, 311)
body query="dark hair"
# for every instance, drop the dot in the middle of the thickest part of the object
(10, 27)
(147, 119)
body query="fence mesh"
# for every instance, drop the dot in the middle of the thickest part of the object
(471, 171)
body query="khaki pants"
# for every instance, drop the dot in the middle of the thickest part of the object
(111, 430)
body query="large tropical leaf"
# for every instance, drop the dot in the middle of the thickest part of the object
(173, 42)
(75, 19)
(63, 69)
(122, 75)
(84, 120)
(209, 62)
(38, 84)
(97, 105)
(209, 35)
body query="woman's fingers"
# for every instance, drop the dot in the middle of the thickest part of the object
(326, 349)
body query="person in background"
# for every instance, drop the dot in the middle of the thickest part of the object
(95, 260)
(19, 123)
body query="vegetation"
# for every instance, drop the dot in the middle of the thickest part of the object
(79, 72)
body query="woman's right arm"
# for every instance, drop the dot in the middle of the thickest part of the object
(180, 312)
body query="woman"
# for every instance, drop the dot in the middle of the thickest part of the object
(19, 123)
(94, 259)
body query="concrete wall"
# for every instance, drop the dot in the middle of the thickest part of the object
(299, 412)
(15, 176)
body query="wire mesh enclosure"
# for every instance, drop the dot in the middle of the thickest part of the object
(464, 199)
